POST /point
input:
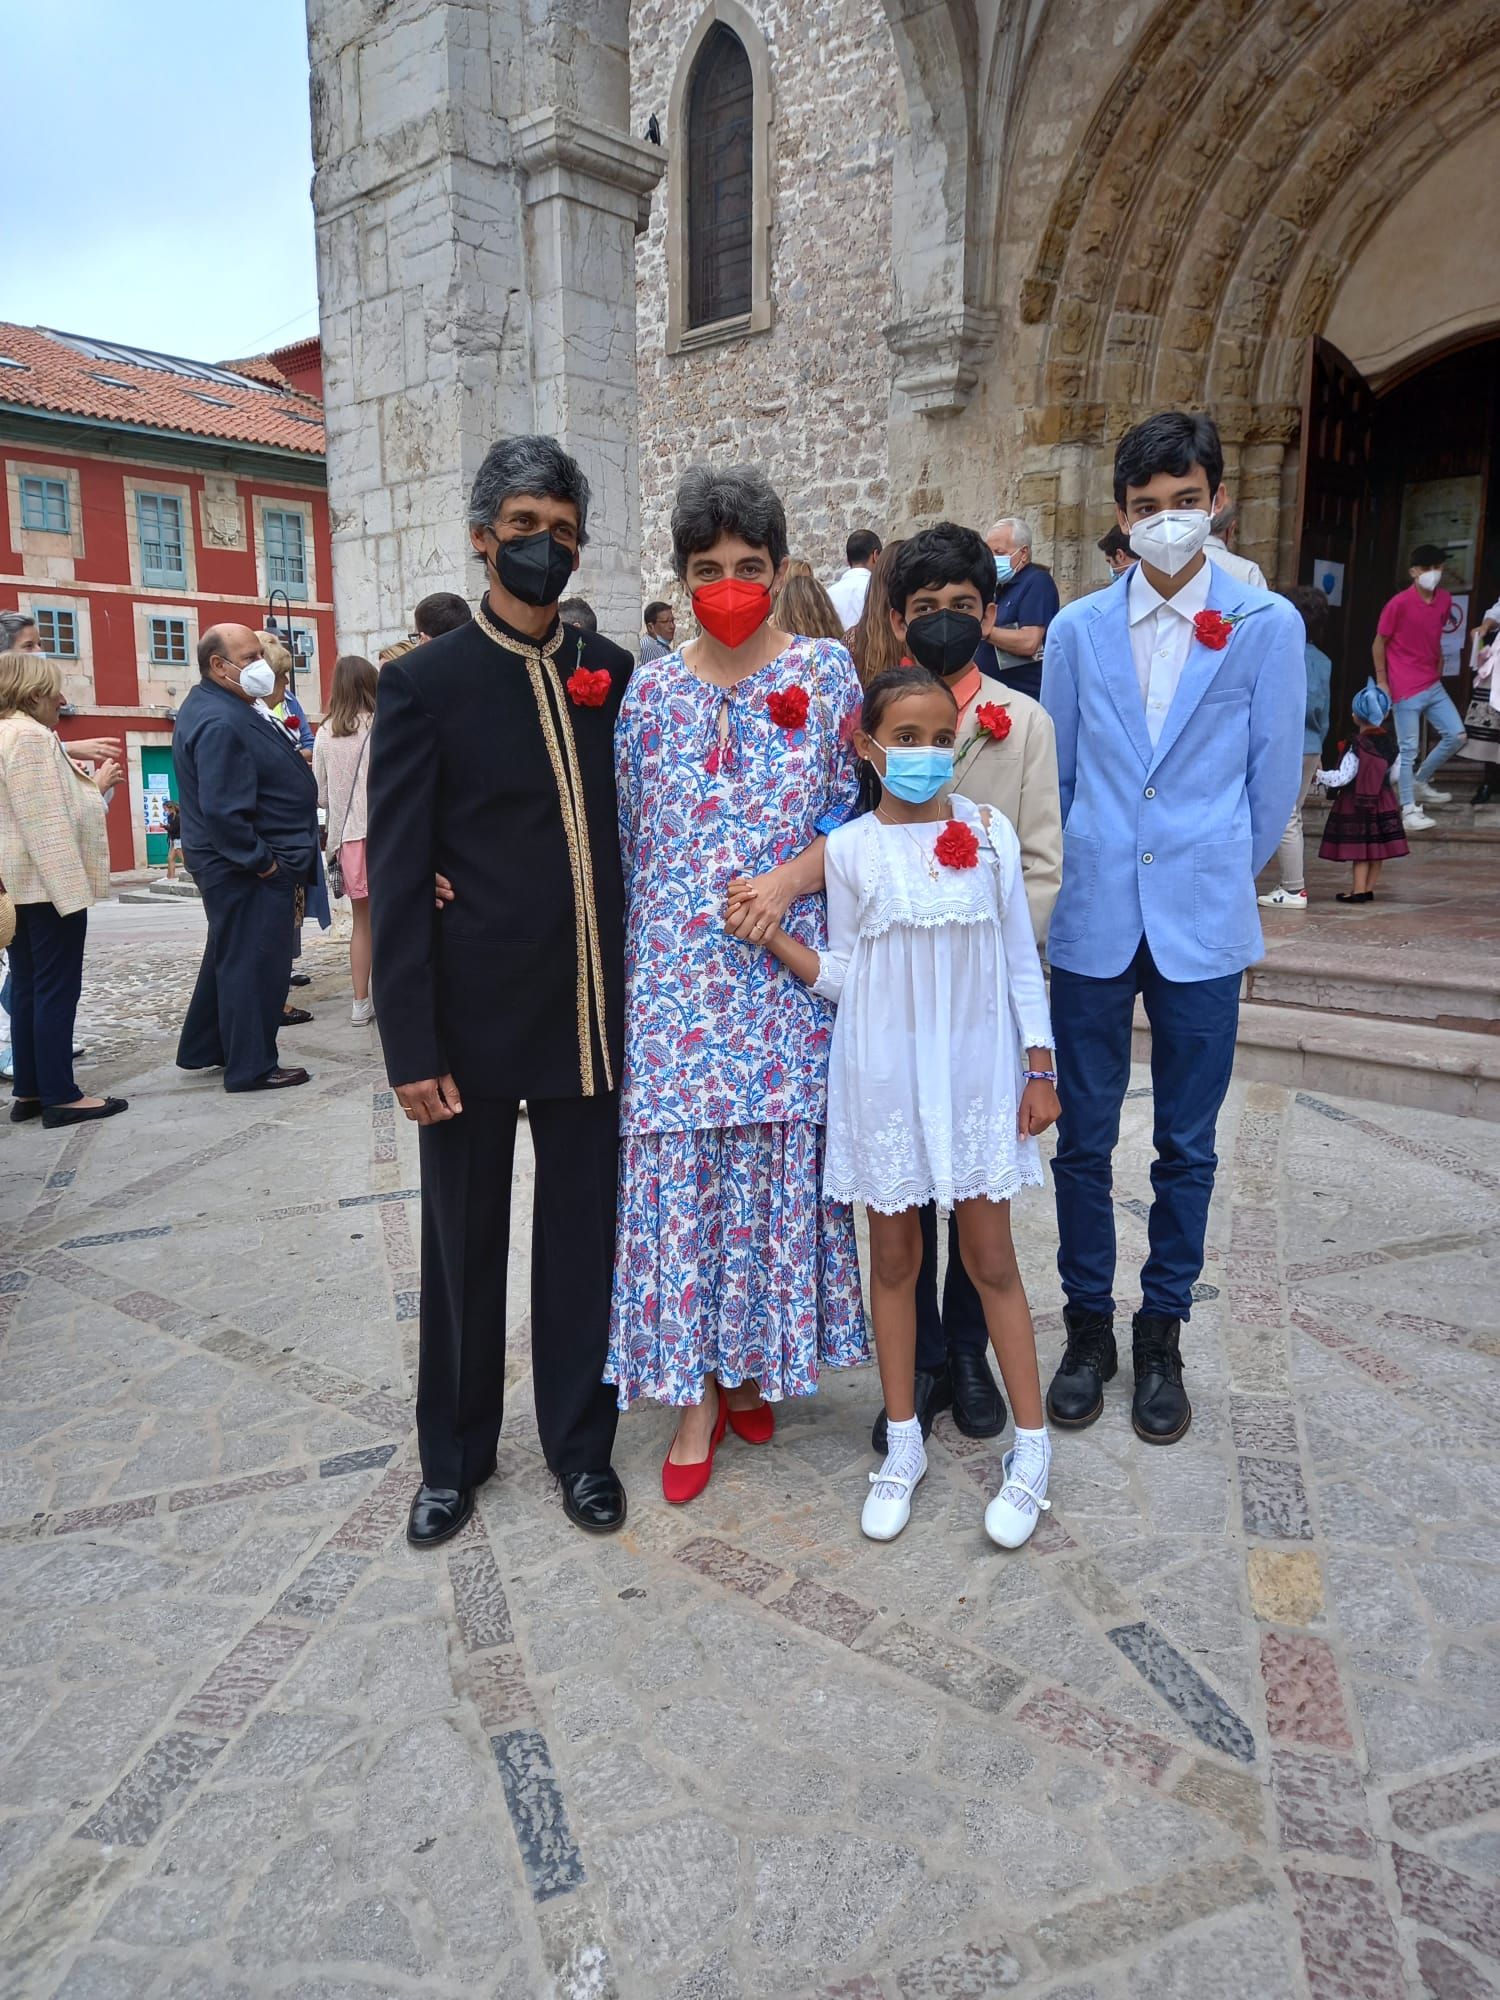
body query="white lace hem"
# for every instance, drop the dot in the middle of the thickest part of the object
(918, 1193)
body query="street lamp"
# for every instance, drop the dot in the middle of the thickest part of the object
(291, 633)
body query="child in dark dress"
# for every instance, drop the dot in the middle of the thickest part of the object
(1364, 825)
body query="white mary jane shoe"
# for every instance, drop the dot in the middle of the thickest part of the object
(1006, 1523)
(886, 1514)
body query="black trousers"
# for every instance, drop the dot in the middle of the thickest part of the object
(236, 1006)
(466, 1195)
(46, 978)
(960, 1323)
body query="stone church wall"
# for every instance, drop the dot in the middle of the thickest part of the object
(809, 399)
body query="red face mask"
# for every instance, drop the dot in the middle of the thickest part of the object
(732, 610)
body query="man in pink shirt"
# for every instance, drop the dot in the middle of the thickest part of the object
(1408, 651)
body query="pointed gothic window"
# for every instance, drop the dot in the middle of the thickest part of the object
(721, 180)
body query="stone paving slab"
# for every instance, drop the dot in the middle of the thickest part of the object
(1231, 1727)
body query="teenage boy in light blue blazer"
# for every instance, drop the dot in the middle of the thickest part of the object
(1177, 695)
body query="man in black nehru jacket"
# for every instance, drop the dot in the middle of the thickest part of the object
(492, 764)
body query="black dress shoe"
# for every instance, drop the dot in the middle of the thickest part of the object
(278, 1079)
(594, 1501)
(1076, 1397)
(82, 1114)
(437, 1514)
(1159, 1409)
(22, 1108)
(300, 979)
(978, 1406)
(293, 1017)
(934, 1392)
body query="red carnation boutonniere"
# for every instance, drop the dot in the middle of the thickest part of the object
(994, 719)
(788, 710)
(957, 846)
(291, 725)
(1215, 629)
(588, 688)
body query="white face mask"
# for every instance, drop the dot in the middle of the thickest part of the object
(1430, 579)
(258, 679)
(1170, 541)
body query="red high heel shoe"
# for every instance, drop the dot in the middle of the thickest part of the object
(757, 1425)
(681, 1483)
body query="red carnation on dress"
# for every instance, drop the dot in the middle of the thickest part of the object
(957, 846)
(1212, 629)
(788, 710)
(291, 725)
(588, 689)
(994, 718)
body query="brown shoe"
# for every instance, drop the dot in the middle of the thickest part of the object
(278, 1079)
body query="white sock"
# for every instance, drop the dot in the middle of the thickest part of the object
(1030, 1465)
(905, 1456)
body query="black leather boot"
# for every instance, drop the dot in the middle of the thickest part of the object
(1159, 1409)
(1076, 1397)
(933, 1391)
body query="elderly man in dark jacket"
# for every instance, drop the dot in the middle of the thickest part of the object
(492, 764)
(249, 807)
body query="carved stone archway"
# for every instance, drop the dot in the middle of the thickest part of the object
(1226, 181)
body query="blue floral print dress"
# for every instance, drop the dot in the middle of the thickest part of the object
(728, 1261)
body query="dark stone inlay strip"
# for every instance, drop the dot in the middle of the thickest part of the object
(549, 1854)
(1184, 1689)
(115, 1236)
(146, 1795)
(366, 1200)
(369, 1460)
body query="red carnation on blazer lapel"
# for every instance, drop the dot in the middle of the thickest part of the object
(957, 846)
(1215, 629)
(588, 687)
(994, 719)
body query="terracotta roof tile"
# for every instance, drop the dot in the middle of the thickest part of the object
(156, 391)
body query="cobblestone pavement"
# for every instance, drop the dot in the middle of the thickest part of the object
(1228, 1730)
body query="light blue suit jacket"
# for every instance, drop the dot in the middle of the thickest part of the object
(1165, 843)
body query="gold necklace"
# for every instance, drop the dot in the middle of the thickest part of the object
(929, 860)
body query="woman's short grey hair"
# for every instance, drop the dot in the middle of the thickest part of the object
(12, 625)
(535, 465)
(714, 501)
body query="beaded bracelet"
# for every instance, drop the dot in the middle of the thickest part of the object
(1039, 1075)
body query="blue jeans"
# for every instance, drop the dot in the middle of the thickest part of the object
(1437, 705)
(1193, 1025)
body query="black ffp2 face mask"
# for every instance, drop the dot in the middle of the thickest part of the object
(944, 642)
(534, 568)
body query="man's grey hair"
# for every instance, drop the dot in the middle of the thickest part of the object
(714, 501)
(1226, 519)
(1019, 530)
(12, 625)
(534, 465)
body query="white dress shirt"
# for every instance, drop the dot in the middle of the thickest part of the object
(1239, 567)
(1161, 636)
(849, 594)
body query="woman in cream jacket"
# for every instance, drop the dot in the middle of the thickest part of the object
(54, 861)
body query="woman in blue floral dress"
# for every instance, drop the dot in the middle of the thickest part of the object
(734, 1280)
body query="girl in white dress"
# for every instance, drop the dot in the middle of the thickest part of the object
(941, 1072)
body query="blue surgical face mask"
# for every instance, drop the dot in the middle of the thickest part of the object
(915, 774)
(1004, 569)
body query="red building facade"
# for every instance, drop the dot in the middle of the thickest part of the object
(144, 498)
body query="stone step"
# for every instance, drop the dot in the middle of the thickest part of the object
(184, 889)
(1447, 989)
(1388, 1062)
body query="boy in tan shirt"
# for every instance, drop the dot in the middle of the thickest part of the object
(942, 590)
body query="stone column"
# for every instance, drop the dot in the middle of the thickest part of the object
(476, 202)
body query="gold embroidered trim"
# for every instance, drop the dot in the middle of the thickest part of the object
(566, 777)
(591, 915)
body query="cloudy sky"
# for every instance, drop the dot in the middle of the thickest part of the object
(158, 168)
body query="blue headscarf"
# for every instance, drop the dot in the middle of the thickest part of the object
(1372, 704)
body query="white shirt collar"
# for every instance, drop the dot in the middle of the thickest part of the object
(1144, 600)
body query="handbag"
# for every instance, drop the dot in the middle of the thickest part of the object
(334, 872)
